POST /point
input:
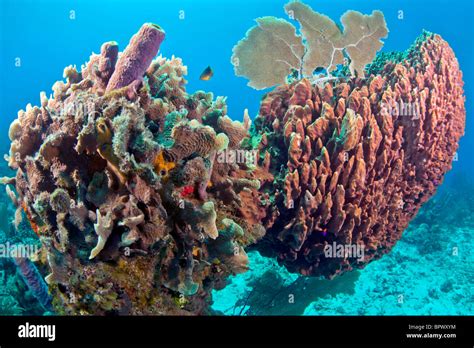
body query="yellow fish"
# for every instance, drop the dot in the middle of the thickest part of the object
(206, 74)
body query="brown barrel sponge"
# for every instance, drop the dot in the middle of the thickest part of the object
(354, 159)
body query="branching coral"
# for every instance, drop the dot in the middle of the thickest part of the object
(103, 228)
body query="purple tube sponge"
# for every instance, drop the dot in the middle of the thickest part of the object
(107, 61)
(137, 57)
(34, 281)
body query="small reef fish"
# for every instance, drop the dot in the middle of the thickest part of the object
(207, 74)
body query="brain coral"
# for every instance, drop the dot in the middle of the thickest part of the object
(355, 159)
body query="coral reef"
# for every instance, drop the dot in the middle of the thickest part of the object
(424, 274)
(354, 161)
(116, 174)
(145, 197)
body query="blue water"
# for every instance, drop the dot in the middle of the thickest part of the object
(50, 35)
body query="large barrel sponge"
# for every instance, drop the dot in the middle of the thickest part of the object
(355, 159)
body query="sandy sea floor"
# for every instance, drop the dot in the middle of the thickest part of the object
(429, 272)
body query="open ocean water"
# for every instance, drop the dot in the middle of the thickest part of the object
(431, 269)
